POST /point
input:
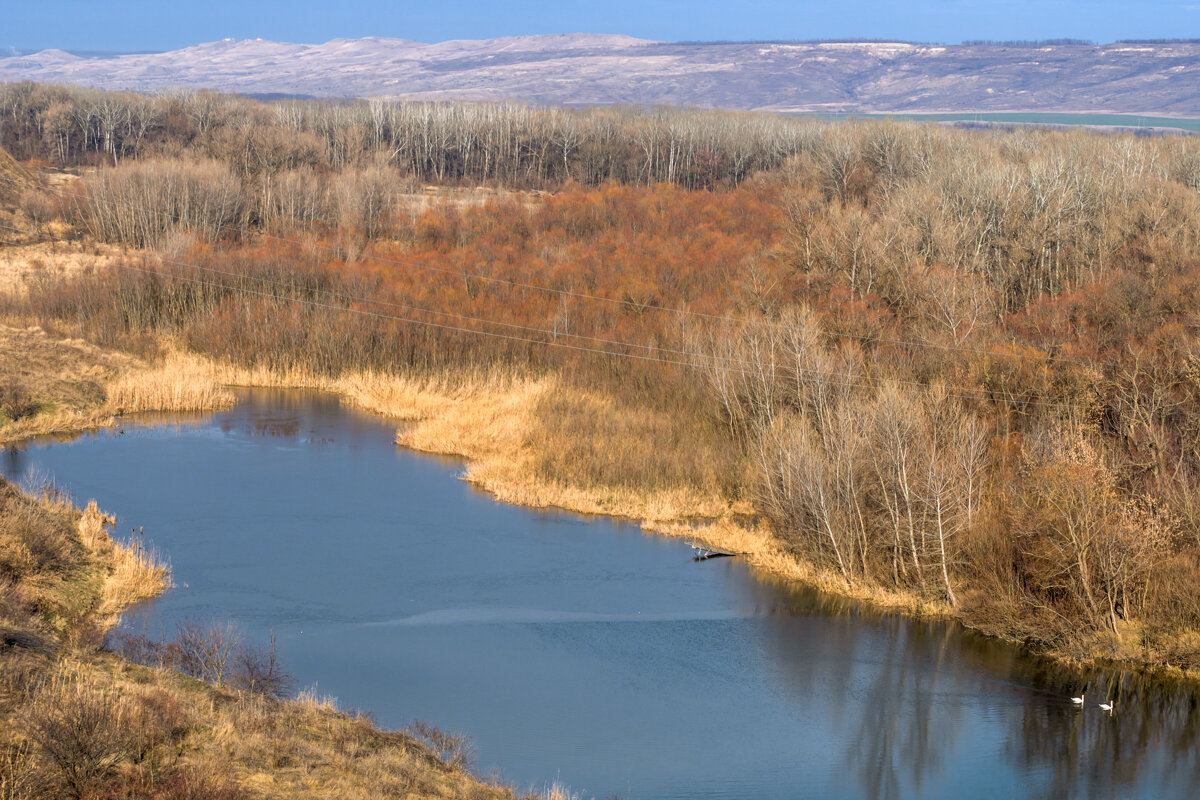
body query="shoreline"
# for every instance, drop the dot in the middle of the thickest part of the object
(441, 417)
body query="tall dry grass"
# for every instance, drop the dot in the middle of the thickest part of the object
(772, 560)
(528, 440)
(132, 572)
(558, 791)
(180, 383)
(64, 422)
(73, 385)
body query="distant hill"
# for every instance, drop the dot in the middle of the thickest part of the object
(1154, 77)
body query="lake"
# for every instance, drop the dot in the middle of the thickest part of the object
(1132, 121)
(580, 649)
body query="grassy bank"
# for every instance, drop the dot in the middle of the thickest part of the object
(57, 386)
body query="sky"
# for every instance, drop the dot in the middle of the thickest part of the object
(128, 25)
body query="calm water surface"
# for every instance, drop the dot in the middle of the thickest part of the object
(580, 649)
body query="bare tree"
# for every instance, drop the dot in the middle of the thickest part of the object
(205, 651)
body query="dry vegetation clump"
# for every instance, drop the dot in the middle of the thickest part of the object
(52, 384)
(97, 726)
(134, 572)
(187, 195)
(39, 262)
(180, 383)
(64, 574)
(531, 441)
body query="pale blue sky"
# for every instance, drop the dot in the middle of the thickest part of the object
(158, 25)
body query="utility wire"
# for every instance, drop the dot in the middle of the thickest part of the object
(735, 366)
(448, 314)
(348, 298)
(250, 233)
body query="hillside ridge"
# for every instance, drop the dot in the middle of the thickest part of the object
(812, 77)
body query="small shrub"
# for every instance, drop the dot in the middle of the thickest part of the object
(205, 651)
(13, 604)
(213, 653)
(259, 672)
(195, 784)
(139, 649)
(82, 732)
(454, 749)
(159, 723)
(39, 207)
(15, 401)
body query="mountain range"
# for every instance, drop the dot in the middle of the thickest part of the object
(1161, 77)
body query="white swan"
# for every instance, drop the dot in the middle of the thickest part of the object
(1109, 706)
(1079, 700)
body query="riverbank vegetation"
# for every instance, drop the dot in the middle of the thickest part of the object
(54, 385)
(956, 369)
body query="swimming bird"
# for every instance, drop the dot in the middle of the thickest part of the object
(1079, 700)
(1109, 706)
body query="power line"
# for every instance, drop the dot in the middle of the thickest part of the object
(380, 315)
(448, 314)
(735, 366)
(249, 232)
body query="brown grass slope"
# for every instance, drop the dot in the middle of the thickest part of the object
(12, 172)
(53, 385)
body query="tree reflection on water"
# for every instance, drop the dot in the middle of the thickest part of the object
(913, 695)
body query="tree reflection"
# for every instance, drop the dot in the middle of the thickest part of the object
(911, 697)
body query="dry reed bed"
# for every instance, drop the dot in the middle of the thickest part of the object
(488, 419)
(762, 551)
(180, 383)
(134, 573)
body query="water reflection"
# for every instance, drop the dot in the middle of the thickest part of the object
(14, 460)
(915, 693)
(581, 649)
